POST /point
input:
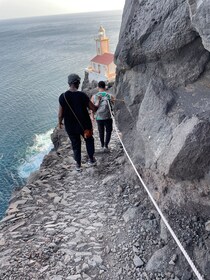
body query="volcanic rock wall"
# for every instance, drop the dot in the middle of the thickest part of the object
(163, 74)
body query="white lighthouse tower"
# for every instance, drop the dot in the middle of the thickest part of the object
(102, 67)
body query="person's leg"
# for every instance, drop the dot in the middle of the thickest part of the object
(76, 146)
(101, 131)
(108, 125)
(90, 147)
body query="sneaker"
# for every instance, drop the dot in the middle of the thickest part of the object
(78, 167)
(92, 162)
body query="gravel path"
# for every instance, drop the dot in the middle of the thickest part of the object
(97, 224)
(62, 224)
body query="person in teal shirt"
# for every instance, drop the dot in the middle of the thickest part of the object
(103, 115)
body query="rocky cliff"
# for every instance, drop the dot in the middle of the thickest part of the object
(100, 223)
(163, 74)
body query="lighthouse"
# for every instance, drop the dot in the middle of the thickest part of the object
(102, 42)
(102, 67)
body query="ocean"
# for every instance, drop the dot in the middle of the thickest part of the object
(36, 56)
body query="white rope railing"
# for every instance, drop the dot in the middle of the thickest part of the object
(156, 206)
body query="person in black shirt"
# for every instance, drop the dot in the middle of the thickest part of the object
(73, 109)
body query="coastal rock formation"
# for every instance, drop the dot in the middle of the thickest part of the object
(89, 87)
(163, 74)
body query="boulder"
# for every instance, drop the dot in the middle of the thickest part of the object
(187, 155)
(151, 29)
(200, 17)
(159, 260)
(163, 77)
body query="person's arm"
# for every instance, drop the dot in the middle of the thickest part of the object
(91, 112)
(94, 107)
(60, 116)
(112, 98)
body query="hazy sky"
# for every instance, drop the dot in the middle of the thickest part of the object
(27, 8)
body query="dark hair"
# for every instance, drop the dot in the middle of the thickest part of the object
(76, 84)
(101, 84)
(74, 79)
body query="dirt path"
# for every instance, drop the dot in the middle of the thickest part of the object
(97, 224)
(67, 225)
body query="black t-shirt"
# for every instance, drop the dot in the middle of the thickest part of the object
(79, 103)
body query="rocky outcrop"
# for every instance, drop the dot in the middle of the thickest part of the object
(89, 87)
(163, 76)
(172, 142)
(200, 17)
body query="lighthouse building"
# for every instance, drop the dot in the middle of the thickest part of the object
(102, 67)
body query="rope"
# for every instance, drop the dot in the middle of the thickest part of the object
(157, 207)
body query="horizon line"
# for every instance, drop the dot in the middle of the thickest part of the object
(73, 13)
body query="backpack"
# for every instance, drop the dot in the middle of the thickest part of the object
(103, 111)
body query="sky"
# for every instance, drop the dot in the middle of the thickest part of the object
(29, 8)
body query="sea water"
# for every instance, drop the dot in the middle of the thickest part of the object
(36, 56)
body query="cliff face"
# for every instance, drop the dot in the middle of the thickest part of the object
(163, 74)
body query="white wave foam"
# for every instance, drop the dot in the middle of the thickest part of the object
(35, 154)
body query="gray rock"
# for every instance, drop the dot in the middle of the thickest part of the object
(137, 261)
(158, 54)
(129, 214)
(207, 226)
(158, 261)
(163, 231)
(57, 277)
(97, 259)
(135, 250)
(150, 29)
(200, 17)
(107, 179)
(186, 275)
(57, 199)
(2, 241)
(74, 277)
(26, 190)
(153, 125)
(187, 155)
(58, 137)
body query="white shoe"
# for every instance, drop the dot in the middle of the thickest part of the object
(78, 168)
